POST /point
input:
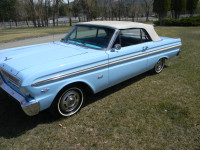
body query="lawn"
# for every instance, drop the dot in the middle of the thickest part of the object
(7, 35)
(146, 112)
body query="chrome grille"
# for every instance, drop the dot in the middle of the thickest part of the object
(10, 77)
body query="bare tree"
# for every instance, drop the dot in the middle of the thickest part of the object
(55, 11)
(138, 10)
(30, 9)
(106, 10)
(148, 7)
(119, 8)
(133, 9)
(76, 9)
(69, 12)
(46, 7)
(21, 9)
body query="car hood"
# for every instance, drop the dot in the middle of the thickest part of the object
(23, 58)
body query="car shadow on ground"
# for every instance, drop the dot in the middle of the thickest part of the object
(93, 98)
(13, 121)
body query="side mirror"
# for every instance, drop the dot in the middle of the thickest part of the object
(117, 46)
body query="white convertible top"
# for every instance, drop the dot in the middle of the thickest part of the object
(125, 25)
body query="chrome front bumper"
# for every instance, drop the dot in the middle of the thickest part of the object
(30, 108)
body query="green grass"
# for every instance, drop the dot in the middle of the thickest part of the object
(7, 35)
(146, 112)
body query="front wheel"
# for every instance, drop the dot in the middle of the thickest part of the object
(68, 102)
(159, 66)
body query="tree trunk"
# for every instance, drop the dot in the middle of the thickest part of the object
(112, 16)
(70, 21)
(27, 22)
(16, 23)
(147, 16)
(42, 22)
(54, 20)
(39, 24)
(70, 17)
(34, 23)
(10, 24)
(161, 19)
(133, 16)
(46, 20)
(33, 15)
(119, 16)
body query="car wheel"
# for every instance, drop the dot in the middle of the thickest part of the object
(68, 102)
(159, 66)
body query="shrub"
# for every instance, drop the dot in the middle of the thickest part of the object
(171, 22)
(186, 21)
(157, 23)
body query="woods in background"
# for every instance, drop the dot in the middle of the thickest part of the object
(41, 11)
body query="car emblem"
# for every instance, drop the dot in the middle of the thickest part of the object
(6, 58)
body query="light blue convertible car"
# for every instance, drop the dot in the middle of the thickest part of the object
(92, 57)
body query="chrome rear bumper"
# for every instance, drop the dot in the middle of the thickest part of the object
(30, 108)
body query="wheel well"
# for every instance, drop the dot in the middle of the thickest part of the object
(82, 85)
(165, 58)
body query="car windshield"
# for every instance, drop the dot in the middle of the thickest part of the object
(90, 36)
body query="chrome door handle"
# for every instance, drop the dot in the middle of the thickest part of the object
(145, 48)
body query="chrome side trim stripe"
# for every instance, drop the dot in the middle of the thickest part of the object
(69, 74)
(140, 55)
(103, 65)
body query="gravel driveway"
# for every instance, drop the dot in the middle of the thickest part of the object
(31, 41)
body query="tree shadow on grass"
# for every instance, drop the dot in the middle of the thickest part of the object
(14, 122)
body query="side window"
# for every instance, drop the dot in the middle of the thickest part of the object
(101, 33)
(132, 37)
(145, 36)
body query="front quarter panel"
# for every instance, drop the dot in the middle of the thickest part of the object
(90, 69)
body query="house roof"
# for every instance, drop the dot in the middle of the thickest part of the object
(125, 25)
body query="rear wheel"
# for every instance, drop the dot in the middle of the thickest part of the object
(68, 102)
(159, 66)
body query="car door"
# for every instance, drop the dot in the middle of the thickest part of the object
(130, 60)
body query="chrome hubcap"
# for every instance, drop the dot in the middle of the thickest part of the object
(70, 102)
(159, 66)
